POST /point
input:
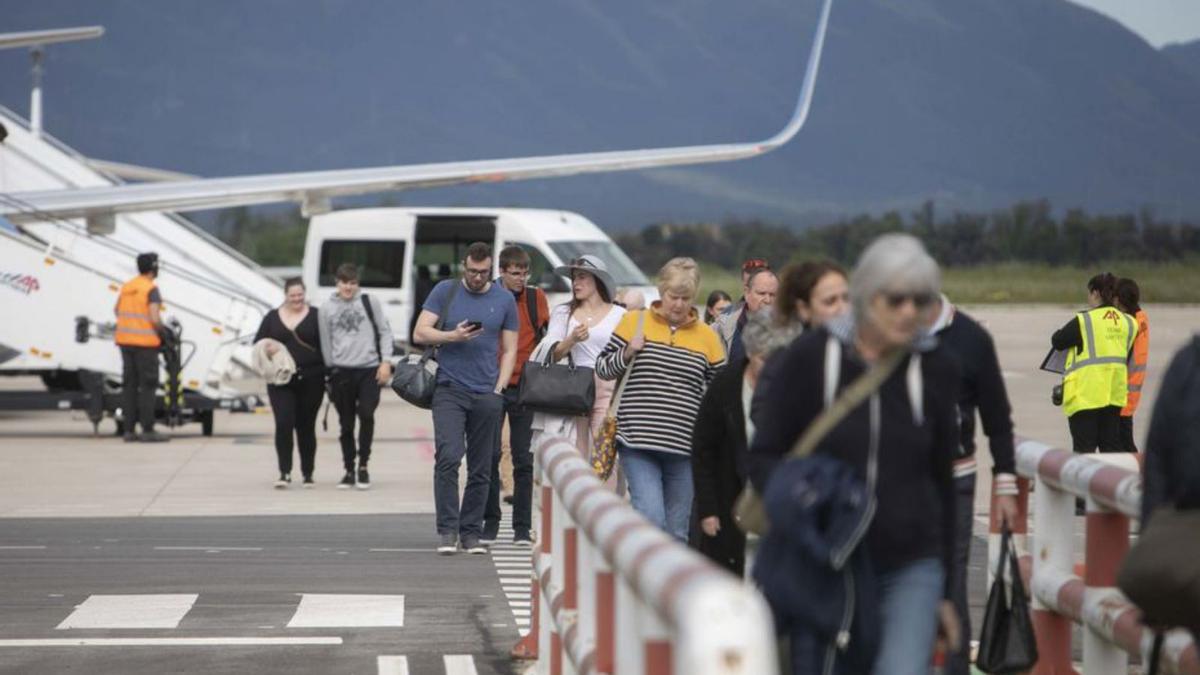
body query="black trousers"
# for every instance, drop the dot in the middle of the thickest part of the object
(958, 663)
(139, 386)
(520, 431)
(295, 406)
(1127, 441)
(1097, 429)
(355, 395)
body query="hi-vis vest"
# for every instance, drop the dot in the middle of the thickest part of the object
(134, 328)
(1137, 364)
(1096, 372)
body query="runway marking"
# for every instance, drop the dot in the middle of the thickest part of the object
(130, 611)
(171, 642)
(22, 548)
(319, 610)
(207, 548)
(459, 664)
(392, 665)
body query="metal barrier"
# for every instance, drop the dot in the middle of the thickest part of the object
(1112, 487)
(615, 594)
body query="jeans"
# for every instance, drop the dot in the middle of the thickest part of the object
(520, 429)
(464, 423)
(964, 515)
(908, 610)
(295, 406)
(356, 395)
(660, 487)
(139, 386)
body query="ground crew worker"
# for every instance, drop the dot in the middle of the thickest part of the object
(138, 322)
(1129, 300)
(1095, 386)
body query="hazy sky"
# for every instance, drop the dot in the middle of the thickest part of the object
(1158, 21)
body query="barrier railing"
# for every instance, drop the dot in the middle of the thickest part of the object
(615, 594)
(1111, 485)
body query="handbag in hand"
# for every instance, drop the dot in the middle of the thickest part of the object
(415, 379)
(604, 447)
(1006, 641)
(549, 387)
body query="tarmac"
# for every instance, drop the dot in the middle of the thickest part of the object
(85, 516)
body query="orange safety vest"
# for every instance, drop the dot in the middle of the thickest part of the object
(1137, 364)
(134, 328)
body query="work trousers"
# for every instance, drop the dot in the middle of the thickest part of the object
(1127, 442)
(139, 386)
(295, 406)
(355, 394)
(520, 429)
(464, 423)
(958, 663)
(1097, 429)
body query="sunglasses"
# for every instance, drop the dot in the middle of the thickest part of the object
(919, 300)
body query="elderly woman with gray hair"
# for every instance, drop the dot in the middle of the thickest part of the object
(897, 445)
(719, 444)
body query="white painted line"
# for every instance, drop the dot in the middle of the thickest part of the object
(522, 632)
(392, 665)
(459, 664)
(509, 566)
(207, 548)
(130, 611)
(518, 603)
(517, 596)
(172, 642)
(318, 610)
(521, 612)
(22, 548)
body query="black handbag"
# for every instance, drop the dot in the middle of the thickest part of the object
(553, 388)
(1006, 642)
(415, 379)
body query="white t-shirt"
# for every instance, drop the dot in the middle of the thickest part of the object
(586, 352)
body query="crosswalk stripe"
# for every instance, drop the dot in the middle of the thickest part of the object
(130, 611)
(459, 664)
(318, 610)
(392, 665)
(171, 642)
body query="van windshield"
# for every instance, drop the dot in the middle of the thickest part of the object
(624, 272)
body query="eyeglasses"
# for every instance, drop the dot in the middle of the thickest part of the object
(478, 274)
(919, 300)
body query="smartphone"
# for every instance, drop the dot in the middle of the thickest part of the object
(475, 325)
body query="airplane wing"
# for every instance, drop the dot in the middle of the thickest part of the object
(314, 189)
(35, 38)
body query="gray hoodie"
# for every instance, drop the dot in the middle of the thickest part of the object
(347, 339)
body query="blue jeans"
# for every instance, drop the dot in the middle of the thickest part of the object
(908, 610)
(660, 487)
(464, 423)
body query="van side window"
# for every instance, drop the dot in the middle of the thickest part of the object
(380, 262)
(541, 272)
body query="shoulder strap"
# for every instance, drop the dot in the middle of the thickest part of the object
(866, 384)
(366, 301)
(531, 295)
(454, 284)
(615, 403)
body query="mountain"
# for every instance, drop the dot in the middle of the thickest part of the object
(971, 103)
(1186, 55)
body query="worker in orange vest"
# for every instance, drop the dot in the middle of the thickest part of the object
(138, 322)
(1129, 299)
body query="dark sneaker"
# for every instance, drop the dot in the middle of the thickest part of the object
(364, 478)
(285, 479)
(490, 532)
(153, 437)
(347, 481)
(523, 540)
(131, 437)
(309, 483)
(473, 546)
(448, 545)
(507, 499)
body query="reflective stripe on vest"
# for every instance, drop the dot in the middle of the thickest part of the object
(134, 326)
(1137, 364)
(1096, 372)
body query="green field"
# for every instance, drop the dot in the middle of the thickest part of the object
(1175, 282)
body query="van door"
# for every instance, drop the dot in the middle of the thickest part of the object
(439, 246)
(381, 265)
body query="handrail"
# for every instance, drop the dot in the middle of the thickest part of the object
(617, 594)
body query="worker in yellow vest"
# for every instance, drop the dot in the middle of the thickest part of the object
(1095, 388)
(138, 322)
(1129, 300)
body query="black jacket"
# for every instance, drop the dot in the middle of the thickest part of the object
(719, 467)
(982, 389)
(1172, 467)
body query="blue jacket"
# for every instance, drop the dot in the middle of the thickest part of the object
(812, 569)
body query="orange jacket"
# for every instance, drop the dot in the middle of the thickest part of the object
(1137, 364)
(134, 327)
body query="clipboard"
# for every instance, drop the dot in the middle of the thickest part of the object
(1055, 361)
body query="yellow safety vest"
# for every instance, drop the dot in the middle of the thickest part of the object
(1096, 375)
(134, 328)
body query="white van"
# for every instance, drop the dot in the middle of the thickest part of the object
(403, 252)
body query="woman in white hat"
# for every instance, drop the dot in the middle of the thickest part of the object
(584, 325)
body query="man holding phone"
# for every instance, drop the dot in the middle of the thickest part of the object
(475, 363)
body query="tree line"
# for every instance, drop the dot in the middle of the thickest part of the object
(1028, 232)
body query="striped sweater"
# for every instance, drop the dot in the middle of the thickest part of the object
(667, 382)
